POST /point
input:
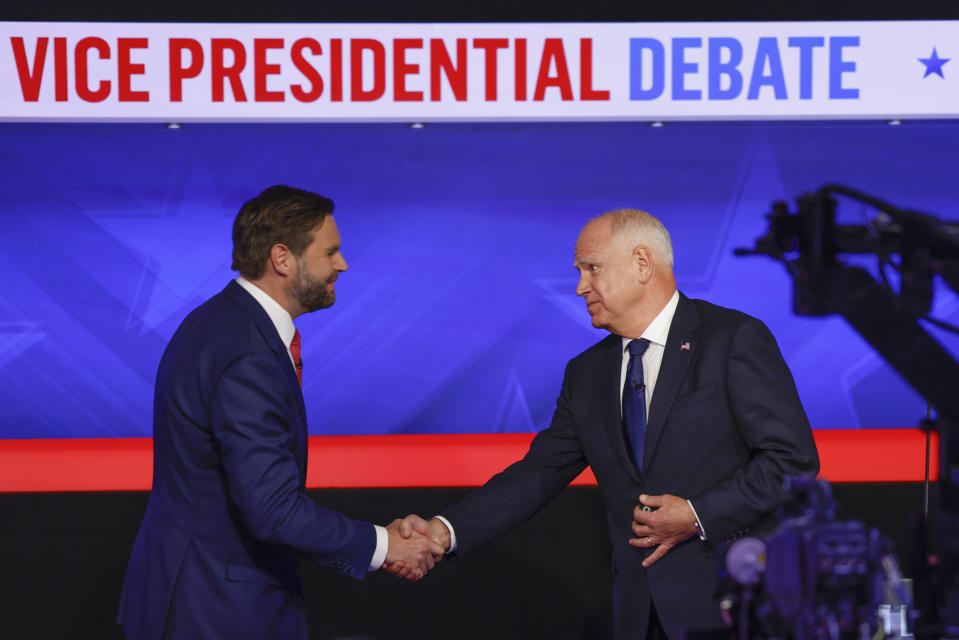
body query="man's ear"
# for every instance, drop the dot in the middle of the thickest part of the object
(282, 260)
(643, 260)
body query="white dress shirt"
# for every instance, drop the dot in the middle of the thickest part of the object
(283, 322)
(656, 333)
(280, 317)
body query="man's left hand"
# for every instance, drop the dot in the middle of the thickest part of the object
(672, 522)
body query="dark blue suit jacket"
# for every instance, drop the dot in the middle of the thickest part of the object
(228, 519)
(725, 425)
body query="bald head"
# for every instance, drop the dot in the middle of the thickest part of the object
(625, 261)
(635, 227)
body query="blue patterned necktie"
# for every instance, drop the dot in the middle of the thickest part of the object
(634, 400)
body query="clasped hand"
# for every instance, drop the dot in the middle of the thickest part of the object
(415, 546)
(672, 522)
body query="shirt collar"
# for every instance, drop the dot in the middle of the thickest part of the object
(280, 317)
(658, 329)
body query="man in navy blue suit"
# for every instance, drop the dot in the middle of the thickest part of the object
(686, 407)
(228, 519)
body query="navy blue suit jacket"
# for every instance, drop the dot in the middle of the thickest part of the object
(228, 518)
(725, 425)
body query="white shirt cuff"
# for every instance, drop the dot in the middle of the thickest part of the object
(382, 546)
(452, 533)
(699, 525)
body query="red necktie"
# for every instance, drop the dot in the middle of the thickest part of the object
(295, 352)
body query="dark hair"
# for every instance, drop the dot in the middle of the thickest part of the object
(279, 215)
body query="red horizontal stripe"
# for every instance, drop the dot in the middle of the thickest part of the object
(126, 464)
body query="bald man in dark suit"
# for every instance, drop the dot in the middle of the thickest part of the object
(688, 416)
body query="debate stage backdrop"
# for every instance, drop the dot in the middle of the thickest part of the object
(458, 312)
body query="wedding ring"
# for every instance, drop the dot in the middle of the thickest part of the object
(649, 539)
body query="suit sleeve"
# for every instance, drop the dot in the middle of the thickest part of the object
(512, 496)
(773, 427)
(251, 426)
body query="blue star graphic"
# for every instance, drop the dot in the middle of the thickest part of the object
(934, 64)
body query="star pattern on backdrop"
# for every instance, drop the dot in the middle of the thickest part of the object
(934, 64)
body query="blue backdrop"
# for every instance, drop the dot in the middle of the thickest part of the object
(458, 312)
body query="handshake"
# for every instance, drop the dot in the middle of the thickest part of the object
(415, 546)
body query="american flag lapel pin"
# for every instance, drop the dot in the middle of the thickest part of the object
(684, 346)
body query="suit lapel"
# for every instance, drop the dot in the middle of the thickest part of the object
(608, 394)
(258, 315)
(681, 346)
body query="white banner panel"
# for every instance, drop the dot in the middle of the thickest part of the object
(517, 71)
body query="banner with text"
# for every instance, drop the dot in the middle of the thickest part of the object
(509, 71)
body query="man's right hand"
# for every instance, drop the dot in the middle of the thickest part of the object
(435, 529)
(411, 550)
